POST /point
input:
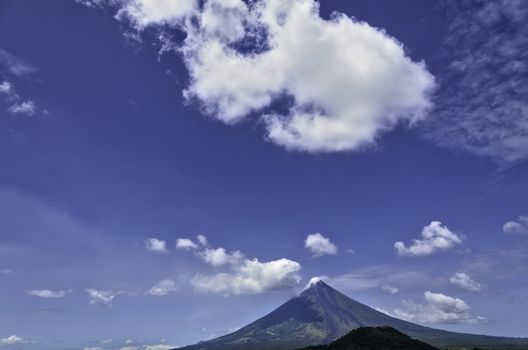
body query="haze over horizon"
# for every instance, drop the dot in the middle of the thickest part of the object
(172, 170)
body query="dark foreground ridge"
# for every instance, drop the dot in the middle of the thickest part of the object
(321, 314)
(374, 338)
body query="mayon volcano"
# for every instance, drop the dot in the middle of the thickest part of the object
(320, 314)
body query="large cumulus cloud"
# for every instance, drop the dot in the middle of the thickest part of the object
(340, 82)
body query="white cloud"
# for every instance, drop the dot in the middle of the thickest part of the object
(189, 244)
(319, 245)
(347, 81)
(243, 275)
(91, 3)
(46, 293)
(219, 257)
(24, 107)
(12, 340)
(93, 348)
(17, 67)
(202, 240)
(18, 106)
(6, 271)
(159, 347)
(106, 341)
(462, 280)
(156, 245)
(163, 287)
(519, 227)
(144, 13)
(435, 237)
(6, 88)
(185, 243)
(390, 289)
(482, 106)
(129, 341)
(252, 276)
(101, 297)
(439, 308)
(128, 348)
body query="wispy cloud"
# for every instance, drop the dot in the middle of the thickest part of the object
(481, 106)
(159, 347)
(15, 65)
(390, 289)
(46, 293)
(382, 277)
(506, 264)
(162, 288)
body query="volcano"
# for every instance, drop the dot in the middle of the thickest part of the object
(321, 314)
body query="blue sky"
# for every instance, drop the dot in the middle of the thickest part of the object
(298, 140)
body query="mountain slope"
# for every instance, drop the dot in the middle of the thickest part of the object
(321, 314)
(374, 338)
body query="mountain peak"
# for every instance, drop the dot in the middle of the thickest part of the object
(316, 282)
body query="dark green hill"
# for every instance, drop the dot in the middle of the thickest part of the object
(374, 338)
